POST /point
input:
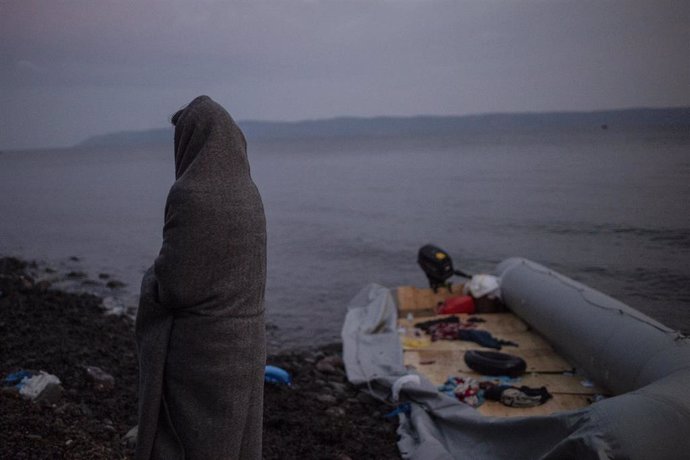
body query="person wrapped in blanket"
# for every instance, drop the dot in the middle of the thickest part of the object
(200, 325)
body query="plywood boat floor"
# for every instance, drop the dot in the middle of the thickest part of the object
(444, 358)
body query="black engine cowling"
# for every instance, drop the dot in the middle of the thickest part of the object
(437, 265)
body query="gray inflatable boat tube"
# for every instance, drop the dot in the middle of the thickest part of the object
(630, 354)
(616, 346)
(643, 363)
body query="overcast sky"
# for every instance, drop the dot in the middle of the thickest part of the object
(71, 69)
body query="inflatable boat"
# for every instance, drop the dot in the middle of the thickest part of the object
(641, 366)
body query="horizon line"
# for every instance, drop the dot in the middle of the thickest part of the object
(473, 114)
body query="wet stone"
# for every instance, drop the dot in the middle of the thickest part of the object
(26, 283)
(335, 361)
(109, 428)
(101, 380)
(85, 410)
(338, 388)
(327, 399)
(336, 411)
(325, 367)
(43, 285)
(338, 377)
(115, 284)
(319, 354)
(366, 398)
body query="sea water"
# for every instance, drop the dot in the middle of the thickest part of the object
(610, 209)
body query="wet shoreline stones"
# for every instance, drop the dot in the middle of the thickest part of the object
(320, 416)
(326, 416)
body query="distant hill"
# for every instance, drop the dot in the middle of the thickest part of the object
(422, 126)
(129, 138)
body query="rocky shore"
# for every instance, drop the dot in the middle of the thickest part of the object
(68, 335)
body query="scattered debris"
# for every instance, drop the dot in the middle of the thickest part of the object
(517, 397)
(273, 374)
(113, 306)
(587, 383)
(40, 387)
(326, 399)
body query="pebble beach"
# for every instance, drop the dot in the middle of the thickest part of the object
(68, 334)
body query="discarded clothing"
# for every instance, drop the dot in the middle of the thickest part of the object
(475, 392)
(465, 389)
(445, 331)
(456, 331)
(428, 324)
(517, 397)
(484, 338)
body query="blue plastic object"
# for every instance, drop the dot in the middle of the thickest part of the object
(404, 408)
(274, 374)
(15, 378)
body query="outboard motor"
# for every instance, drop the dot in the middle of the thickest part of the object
(437, 266)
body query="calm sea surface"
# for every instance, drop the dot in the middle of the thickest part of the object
(610, 209)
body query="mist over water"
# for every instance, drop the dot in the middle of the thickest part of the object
(608, 208)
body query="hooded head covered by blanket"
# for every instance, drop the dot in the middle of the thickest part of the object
(200, 324)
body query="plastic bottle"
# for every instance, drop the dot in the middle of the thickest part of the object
(411, 336)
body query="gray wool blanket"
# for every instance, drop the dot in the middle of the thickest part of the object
(200, 325)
